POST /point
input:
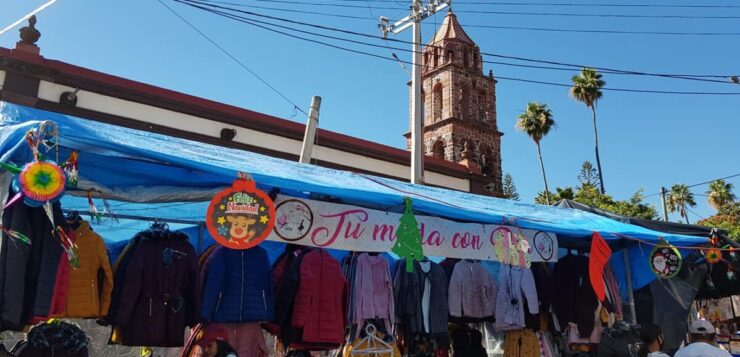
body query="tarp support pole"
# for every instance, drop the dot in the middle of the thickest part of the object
(630, 290)
(200, 238)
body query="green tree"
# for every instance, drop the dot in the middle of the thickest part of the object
(679, 198)
(587, 90)
(561, 193)
(590, 195)
(720, 194)
(408, 237)
(509, 188)
(588, 174)
(536, 122)
(727, 218)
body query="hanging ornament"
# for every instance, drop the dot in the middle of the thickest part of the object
(16, 235)
(241, 216)
(733, 255)
(71, 170)
(713, 256)
(710, 282)
(408, 237)
(511, 248)
(731, 274)
(665, 260)
(70, 248)
(40, 182)
(96, 216)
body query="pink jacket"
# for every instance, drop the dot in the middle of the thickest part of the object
(472, 292)
(373, 291)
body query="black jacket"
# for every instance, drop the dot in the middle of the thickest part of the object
(409, 290)
(28, 272)
(573, 297)
(160, 291)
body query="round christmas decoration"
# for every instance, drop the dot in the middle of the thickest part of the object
(294, 220)
(40, 182)
(665, 261)
(713, 256)
(240, 217)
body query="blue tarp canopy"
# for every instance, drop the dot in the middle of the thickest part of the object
(156, 175)
(138, 166)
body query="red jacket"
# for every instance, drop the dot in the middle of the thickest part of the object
(321, 300)
(311, 304)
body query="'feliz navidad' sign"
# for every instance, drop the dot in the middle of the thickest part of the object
(241, 216)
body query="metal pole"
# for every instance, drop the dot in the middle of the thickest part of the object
(310, 135)
(200, 238)
(630, 291)
(665, 207)
(417, 134)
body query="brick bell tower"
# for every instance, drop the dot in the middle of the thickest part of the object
(459, 105)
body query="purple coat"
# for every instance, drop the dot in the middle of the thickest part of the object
(516, 288)
(472, 292)
(160, 291)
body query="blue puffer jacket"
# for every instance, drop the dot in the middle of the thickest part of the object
(238, 286)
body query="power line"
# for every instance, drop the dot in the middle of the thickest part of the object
(519, 13)
(578, 66)
(257, 23)
(499, 3)
(224, 51)
(699, 184)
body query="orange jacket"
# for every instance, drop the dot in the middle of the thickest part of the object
(85, 297)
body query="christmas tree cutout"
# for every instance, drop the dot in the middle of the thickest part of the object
(408, 237)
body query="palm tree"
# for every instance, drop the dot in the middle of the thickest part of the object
(678, 198)
(720, 194)
(536, 121)
(587, 90)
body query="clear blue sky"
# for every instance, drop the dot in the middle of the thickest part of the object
(646, 140)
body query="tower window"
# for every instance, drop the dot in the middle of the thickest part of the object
(482, 107)
(438, 149)
(450, 56)
(466, 59)
(438, 106)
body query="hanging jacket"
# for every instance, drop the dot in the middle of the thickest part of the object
(159, 290)
(516, 288)
(28, 273)
(238, 286)
(318, 292)
(472, 292)
(119, 271)
(573, 297)
(373, 291)
(86, 298)
(409, 295)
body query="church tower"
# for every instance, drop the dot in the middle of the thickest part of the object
(459, 105)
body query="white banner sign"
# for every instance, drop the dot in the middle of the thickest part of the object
(336, 226)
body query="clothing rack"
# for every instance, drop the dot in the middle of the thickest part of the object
(201, 224)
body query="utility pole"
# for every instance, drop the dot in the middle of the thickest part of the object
(310, 136)
(665, 207)
(419, 12)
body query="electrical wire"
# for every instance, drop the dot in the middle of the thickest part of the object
(563, 64)
(518, 13)
(698, 184)
(263, 25)
(498, 3)
(240, 63)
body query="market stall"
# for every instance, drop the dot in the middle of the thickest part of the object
(300, 246)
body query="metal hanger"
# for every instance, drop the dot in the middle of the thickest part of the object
(374, 345)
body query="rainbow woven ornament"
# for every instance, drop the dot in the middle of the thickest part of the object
(40, 182)
(713, 256)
